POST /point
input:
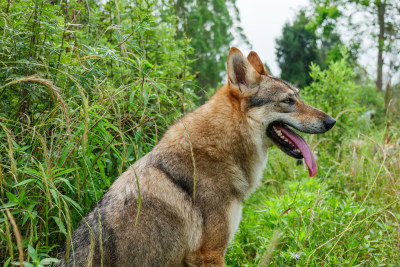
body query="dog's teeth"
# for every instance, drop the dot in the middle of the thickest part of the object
(279, 133)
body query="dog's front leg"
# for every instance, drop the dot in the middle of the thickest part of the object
(205, 258)
(215, 239)
(213, 258)
(221, 216)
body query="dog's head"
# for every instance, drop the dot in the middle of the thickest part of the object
(275, 106)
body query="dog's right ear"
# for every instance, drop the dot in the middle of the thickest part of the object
(256, 62)
(241, 73)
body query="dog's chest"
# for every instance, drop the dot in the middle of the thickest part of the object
(234, 216)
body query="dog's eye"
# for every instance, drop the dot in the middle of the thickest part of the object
(288, 101)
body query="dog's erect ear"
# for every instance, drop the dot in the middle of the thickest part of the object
(240, 71)
(256, 62)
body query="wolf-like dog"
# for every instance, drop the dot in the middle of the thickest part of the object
(188, 191)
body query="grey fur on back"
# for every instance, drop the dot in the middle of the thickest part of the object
(158, 238)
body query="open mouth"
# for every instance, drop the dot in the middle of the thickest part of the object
(292, 144)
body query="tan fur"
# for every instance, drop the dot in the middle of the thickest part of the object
(182, 222)
(256, 62)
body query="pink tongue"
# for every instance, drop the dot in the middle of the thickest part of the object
(304, 148)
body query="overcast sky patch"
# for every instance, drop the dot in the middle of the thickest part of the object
(262, 22)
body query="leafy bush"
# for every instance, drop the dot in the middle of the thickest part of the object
(336, 91)
(333, 90)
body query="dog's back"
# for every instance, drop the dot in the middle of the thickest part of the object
(165, 230)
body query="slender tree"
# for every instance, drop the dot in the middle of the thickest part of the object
(211, 26)
(295, 50)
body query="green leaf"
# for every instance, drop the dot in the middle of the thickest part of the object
(354, 259)
(7, 262)
(24, 182)
(32, 253)
(12, 198)
(67, 183)
(76, 205)
(49, 261)
(8, 205)
(60, 225)
(59, 172)
(54, 195)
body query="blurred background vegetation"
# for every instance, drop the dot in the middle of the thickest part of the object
(88, 87)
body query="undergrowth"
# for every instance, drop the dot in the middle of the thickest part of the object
(347, 215)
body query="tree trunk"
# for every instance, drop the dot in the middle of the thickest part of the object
(381, 40)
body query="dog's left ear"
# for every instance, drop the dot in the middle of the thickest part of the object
(241, 74)
(256, 62)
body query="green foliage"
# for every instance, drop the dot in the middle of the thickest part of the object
(325, 16)
(85, 90)
(366, 22)
(334, 90)
(393, 112)
(339, 218)
(211, 26)
(295, 51)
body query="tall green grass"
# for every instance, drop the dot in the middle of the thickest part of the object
(347, 215)
(81, 99)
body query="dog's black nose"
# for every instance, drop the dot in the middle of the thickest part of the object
(329, 122)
